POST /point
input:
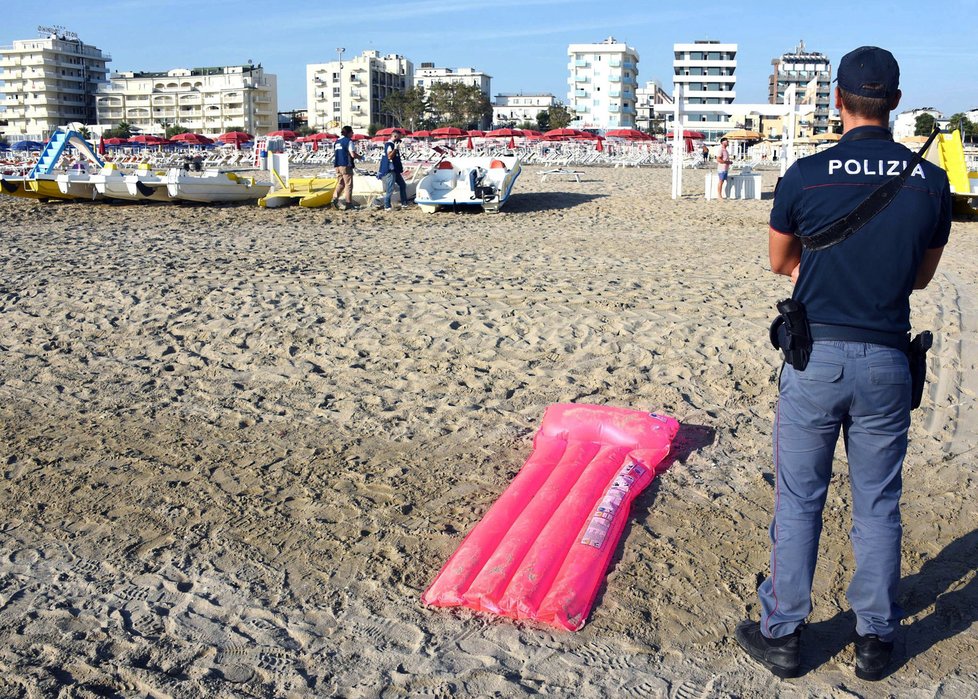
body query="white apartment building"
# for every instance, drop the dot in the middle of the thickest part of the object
(208, 101)
(811, 74)
(653, 105)
(48, 82)
(351, 92)
(706, 70)
(905, 123)
(602, 84)
(427, 75)
(521, 107)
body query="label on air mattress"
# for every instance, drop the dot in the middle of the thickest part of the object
(604, 515)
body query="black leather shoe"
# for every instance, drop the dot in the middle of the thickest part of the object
(782, 656)
(872, 656)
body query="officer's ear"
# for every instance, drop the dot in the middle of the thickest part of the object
(896, 100)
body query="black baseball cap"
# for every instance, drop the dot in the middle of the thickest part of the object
(869, 71)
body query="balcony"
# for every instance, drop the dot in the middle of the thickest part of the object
(614, 93)
(614, 63)
(582, 64)
(582, 79)
(614, 78)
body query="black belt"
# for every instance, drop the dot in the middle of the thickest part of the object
(844, 333)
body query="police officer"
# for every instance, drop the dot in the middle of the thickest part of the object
(857, 297)
(344, 158)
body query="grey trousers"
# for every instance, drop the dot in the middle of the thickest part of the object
(864, 391)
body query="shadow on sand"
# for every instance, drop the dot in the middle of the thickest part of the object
(935, 584)
(548, 201)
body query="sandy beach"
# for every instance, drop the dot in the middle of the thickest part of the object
(238, 444)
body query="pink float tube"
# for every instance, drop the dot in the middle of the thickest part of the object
(542, 549)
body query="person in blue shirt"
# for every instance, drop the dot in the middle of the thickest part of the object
(857, 381)
(391, 171)
(344, 157)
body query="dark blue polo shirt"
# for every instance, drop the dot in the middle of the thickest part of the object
(865, 281)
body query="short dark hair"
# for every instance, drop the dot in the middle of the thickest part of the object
(867, 107)
(346, 130)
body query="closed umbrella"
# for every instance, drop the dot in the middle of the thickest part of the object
(512, 142)
(101, 146)
(469, 144)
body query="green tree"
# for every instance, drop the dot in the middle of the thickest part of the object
(305, 130)
(924, 124)
(543, 120)
(960, 122)
(454, 104)
(120, 130)
(560, 117)
(407, 107)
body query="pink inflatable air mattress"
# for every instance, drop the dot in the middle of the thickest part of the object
(542, 549)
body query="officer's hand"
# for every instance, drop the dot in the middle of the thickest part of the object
(794, 274)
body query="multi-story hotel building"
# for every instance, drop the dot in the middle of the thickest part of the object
(426, 75)
(521, 107)
(48, 82)
(706, 70)
(352, 91)
(811, 74)
(654, 105)
(602, 84)
(208, 101)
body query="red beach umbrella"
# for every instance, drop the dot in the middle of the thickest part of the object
(235, 137)
(687, 134)
(317, 137)
(117, 141)
(512, 142)
(476, 132)
(286, 134)
(628, 134)
(561, 133)
(420, 134)
(390, 131)
(600, 145)
(504, 133)
(530, 133)
(148, 140)
(469, 144)
(101, 146)
(447, 132)
(358, 137)
(193, 139)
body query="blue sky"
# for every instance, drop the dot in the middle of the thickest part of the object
(521, 43)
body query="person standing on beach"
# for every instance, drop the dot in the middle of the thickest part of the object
(391, 170)
(856, 295)
(345, 155)
(723, 167)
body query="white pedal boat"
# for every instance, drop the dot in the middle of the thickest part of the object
(486, 182)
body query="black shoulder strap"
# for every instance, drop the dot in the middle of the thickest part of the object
(869, 207)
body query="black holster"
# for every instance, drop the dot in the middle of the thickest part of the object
(917, 356)
(790, 333)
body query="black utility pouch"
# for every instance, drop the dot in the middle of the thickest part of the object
(917, 356)
(790, 333)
